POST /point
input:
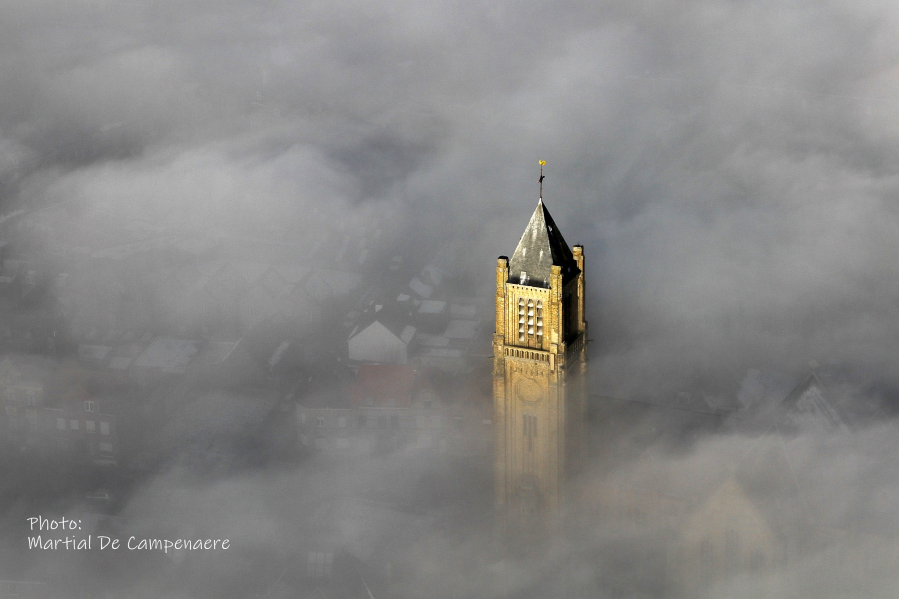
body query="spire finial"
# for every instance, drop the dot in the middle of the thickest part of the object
(540, 180)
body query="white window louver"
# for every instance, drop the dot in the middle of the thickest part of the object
(530, 317)
(539, 318)
(521, 319)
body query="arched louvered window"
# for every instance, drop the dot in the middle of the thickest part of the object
(530, 317)
(521, 319)
(539, 322)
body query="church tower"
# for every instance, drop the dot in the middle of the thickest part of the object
(539, 366)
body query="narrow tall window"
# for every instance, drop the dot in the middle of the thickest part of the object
(320, 564)
(530, 317)
(529, 428)
(521, 334)
(539, 323)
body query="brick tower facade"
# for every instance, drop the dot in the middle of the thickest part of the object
(539, 366)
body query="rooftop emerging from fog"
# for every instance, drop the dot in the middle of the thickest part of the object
(541, 247)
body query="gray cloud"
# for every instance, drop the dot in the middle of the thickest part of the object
(729, 166)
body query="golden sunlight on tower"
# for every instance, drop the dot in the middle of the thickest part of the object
(538, 375)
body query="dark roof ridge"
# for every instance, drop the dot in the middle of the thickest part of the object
(791, 400)
(540, 248)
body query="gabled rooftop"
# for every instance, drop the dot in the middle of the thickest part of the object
(541, 247)
(809, 406)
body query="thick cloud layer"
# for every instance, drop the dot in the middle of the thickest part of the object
(727, 165)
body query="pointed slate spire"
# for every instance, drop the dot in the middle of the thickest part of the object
(541, 247)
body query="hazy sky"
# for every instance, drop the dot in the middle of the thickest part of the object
(729, 167)
(726, 164)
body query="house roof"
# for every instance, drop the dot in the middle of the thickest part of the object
(390, 317)
(541, 247)
(24, 370)
(216, 352)
(383, 385)
(462, 329)
(206, 416)
(421, 289)
(92, 353)
(431, 307)
(278, 354)
(169, 355)
(809, 405)
(323, 384)
(338, 281)
(731, 502)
